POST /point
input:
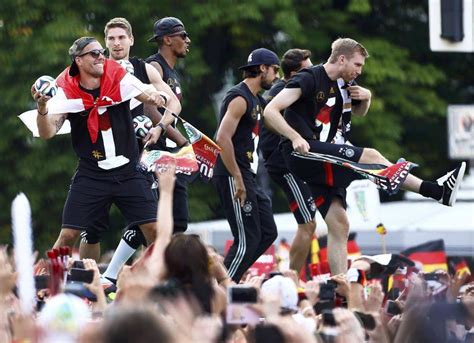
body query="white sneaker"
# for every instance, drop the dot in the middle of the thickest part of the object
(450, 183)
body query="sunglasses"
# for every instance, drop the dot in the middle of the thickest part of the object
(183, 35)
(95, 53)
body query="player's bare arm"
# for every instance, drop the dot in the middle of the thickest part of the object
(172, 104)
(48, 124)
(362, 94)
(275, 121)
(230, 121)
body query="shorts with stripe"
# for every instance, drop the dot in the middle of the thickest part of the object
(252, 224)
(298, 194)
(325, 180)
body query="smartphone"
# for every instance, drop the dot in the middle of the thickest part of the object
(392, 308)
(327, 291)
(242, 294)
(239, 310)
(431, 277)
(41, 282)
(78, 264)
(81, 275)
(368, 321)
(79, 290)
(328, 318)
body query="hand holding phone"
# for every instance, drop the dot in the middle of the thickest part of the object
(239, 310)
(81, 275)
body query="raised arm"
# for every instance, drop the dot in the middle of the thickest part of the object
(236, 109)
(166, 180)
(275, 121)
(172, 104)
(48, 124)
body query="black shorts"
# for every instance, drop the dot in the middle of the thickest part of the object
(89, 200)
(298, 194)
(326, 180)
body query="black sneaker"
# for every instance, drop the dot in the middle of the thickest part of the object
(450, 183)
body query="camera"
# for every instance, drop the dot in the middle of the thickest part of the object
(238, 310)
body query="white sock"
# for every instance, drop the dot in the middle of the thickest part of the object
(121, 255)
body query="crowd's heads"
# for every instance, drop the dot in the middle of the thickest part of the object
(284, 289)
(167, 26)
(120, 23)
(293, 60)
(76, 50)
(63, 318)
(346, 47)
(138, 324)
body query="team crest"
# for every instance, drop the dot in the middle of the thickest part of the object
(320, 97)
(247, 207)
(97, 154)
(331, 91)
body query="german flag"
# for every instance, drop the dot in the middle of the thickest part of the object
(353, 249)
(457, 263)
(431, 254)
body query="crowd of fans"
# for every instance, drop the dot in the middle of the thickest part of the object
(178, 290)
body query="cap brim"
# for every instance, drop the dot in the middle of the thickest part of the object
(248, 66)
(73, 69)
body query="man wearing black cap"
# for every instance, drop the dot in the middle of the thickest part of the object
(95, 97)
(247, 208)
(173, 43)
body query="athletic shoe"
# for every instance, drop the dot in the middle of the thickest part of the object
(450, 183)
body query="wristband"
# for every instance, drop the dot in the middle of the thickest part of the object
(356, 276)
(163, 128)
(42, 114)
(164, 98)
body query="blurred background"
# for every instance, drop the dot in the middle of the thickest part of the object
(411, 85)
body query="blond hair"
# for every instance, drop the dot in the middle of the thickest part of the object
(118, 22)
(346, 47)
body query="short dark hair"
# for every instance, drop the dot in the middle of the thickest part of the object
(291, 61)
(251, 72)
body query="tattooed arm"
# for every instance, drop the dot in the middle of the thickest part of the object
(48, 124)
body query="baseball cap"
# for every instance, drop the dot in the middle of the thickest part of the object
(76, 49)
(261, 56)
(166, 26)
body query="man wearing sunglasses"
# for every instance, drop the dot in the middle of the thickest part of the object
(119, 40)
(173, 43)
(247, 208)
(95, 97)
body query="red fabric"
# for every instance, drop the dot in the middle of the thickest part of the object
(293, 206)
(329, 173)
(109, 93)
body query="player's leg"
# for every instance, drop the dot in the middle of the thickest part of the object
(268, 227)
(301, 203)
(138, 201)
(443, 190)
(244, 224)
(338, 233)
(87, 199)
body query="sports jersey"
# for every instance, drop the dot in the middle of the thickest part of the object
(323, 112)
(245, 139)
(116, 151)
(170, 75)
(139, 70)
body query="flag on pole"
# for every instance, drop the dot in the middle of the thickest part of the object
(205, 149)
(388, 179)
(431, 255)
(184, 159)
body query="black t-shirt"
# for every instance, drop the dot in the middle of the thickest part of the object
(317, 114)
(116, 138)
(245, 138)
(269, 141)
(170, 75)
(139, 71)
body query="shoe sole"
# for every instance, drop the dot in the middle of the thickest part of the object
(452, 198)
